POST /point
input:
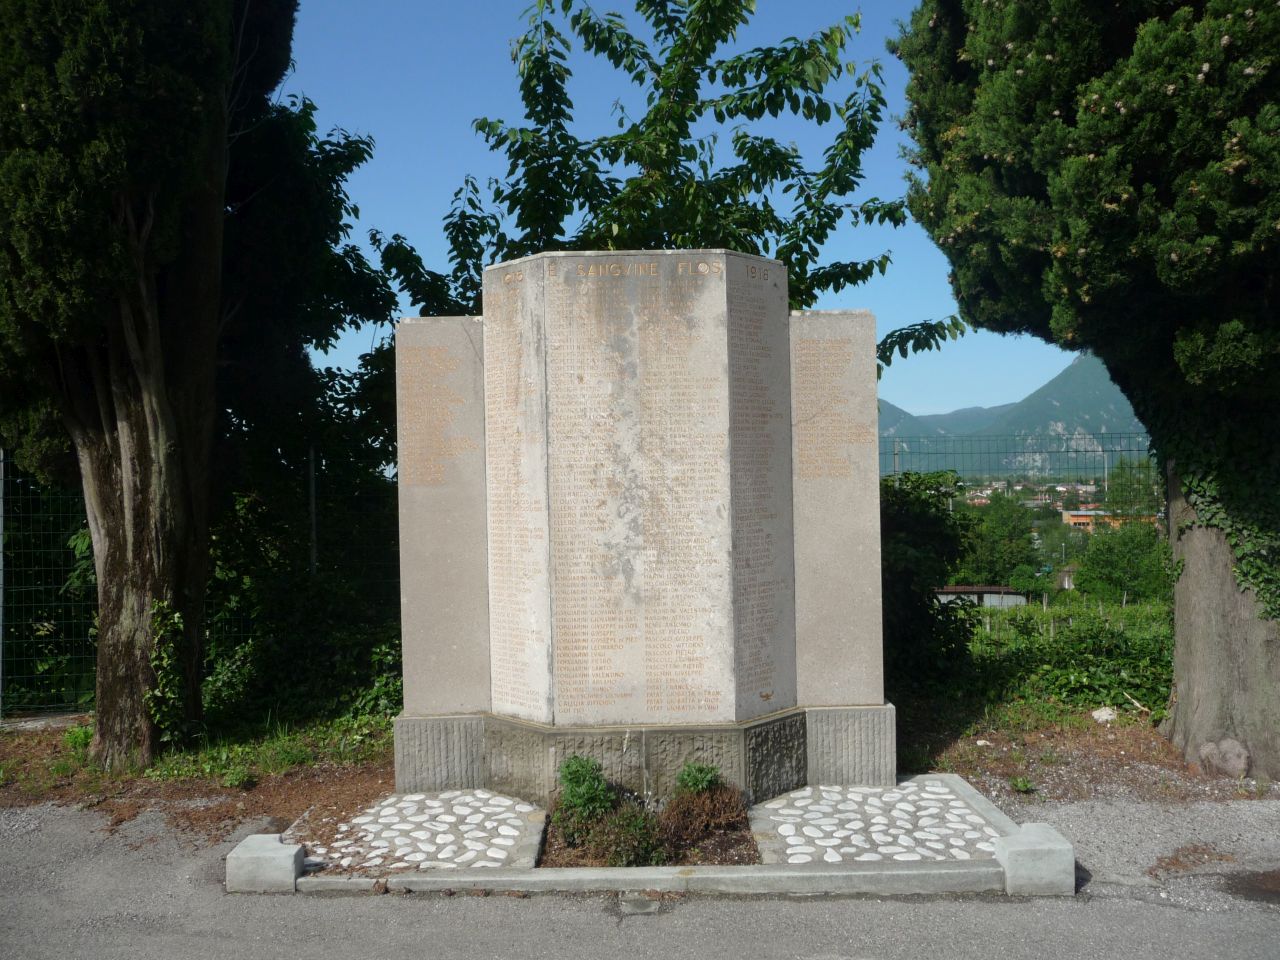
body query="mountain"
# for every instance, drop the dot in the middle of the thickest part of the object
(967, 420)
(1077, 423)
(896, 422)
(1080, 400)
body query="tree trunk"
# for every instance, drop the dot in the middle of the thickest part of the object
(144, 555)
(141, 416)
(1225, 714)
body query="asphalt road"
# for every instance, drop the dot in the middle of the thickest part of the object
(68, 889)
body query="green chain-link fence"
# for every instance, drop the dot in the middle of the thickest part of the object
(342, 526)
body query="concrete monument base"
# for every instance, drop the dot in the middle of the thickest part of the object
(765, 757)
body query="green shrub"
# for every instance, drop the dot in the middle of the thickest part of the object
(77, 740)
(1021, 785)
(628, 836)
(584, 798)
(1077, 656)
(239, 777)
(697, 777)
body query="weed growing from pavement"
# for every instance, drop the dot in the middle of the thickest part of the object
(1021, 785)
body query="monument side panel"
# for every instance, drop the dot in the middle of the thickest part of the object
(516, 456)
(639, 483)
(839, 634)
(760, 440)
(443, 565)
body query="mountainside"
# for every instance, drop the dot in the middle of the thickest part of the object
(1077, 423)
(896, 422)
(966, 420)
(1080, 400)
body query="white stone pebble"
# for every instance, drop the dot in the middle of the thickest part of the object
(393, 835)
(918, 820)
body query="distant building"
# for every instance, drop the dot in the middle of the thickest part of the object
(982, 596)
(1090, 520)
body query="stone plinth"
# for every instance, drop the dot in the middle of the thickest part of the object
(640, 520)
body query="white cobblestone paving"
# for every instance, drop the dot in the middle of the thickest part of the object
(431, 831)
(918, 820)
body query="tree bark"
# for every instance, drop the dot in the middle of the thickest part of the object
(140, 408)
(1225, 711)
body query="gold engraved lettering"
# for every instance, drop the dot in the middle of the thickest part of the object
(700, 268)
(629, 268)
(824, 430)
(428, 441)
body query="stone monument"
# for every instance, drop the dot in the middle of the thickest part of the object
(639, 520)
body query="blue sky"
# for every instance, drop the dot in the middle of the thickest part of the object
(415, 74)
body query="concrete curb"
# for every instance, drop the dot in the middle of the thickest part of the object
(789, 880)
(1038, 861)
(262, 863)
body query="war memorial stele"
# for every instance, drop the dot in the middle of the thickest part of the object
(639, 520)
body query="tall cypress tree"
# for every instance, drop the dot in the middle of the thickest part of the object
(115, 123)
(1107, 176)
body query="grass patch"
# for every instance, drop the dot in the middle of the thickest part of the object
(239, 761)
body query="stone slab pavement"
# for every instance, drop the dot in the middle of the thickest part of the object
(69, 889)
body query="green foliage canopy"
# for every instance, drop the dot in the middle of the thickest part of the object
(104, 127)
(1131, 561)
(999, 544)
(664, 179)
(1107, 176)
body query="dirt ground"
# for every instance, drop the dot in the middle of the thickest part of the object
(33, 758)
(1083, 761)
(1086, 760)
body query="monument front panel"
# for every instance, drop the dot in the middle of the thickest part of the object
(639, 477)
